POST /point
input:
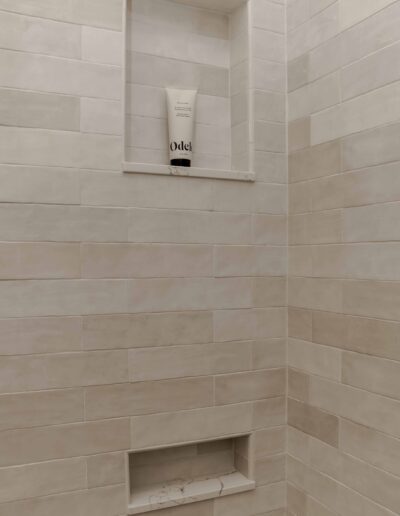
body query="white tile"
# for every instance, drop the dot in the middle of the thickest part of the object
(101, 46)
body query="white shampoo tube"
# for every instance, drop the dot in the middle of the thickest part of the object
(181, 107)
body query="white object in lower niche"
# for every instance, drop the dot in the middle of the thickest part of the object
(178, 475)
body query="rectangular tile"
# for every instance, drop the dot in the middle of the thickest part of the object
(239, 387)
(138, 398)
(146, 330)
(63, 441)
(43, 479)
(189, 425)
(315, 359)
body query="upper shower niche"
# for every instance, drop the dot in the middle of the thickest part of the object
(190, 45)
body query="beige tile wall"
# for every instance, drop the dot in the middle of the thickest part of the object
(135, 310)
(344, 295)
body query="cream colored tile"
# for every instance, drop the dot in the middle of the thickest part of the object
(189, 425)
(271, 260)
(240, 387)
(20, 482)
(330, 261)
(189, 227)
(354, 11)
(235, 260)
(298, 72)
(62, 441)
(371, 223)
(300, 197)
(326, 58)
(102, 14)
(371, 72)
(48, 74)
(41, 110)
(271, 199)
(325, 92)
(270, 441)
(148, 397)
(100, 116)
(316, 161)
(101, 46)
(300, 261)
(41, 36)
(39, 185)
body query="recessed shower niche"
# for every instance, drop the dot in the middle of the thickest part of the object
(183, 474)
(188, 44)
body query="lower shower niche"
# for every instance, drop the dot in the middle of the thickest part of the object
(178, 475)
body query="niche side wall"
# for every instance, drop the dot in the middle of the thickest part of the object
(344, 290)
(135, 310)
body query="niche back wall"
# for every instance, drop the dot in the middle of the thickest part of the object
(135, 310)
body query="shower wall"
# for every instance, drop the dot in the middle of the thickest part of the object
(344, 231)
(135, 310)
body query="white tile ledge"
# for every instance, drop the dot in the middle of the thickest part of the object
(168, 170)
(151, 498)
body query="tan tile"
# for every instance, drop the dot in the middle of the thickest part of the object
(269, 229)
(316, 294)
(63, 441)
(329, 329)
(29, 481)
(373, 337)
(190, 425)
(298, 385)
(299, 134)
(270, 441)
(269, 292)
(269, 470)
(234, 260)
(108, 501)
(300, 260)
(371, 374)
(314, 422)
(300, 323)
(269, 413)
(40, 408)
(146, 330)
(315, 359)
(270, 323)
(234, 324)
(106, 469)
(297, 501)
(142, 261)
(298, 72)
(373, 447)
(62, 370)
(180, 361)
(372, 299)
(239, 387)
(365, 408)
(300, 197)
(148, 397)
(269, 353)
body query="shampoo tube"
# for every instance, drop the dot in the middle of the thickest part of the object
(181, 107)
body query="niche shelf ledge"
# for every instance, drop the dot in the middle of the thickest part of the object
(177, 493)
(168, 170)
